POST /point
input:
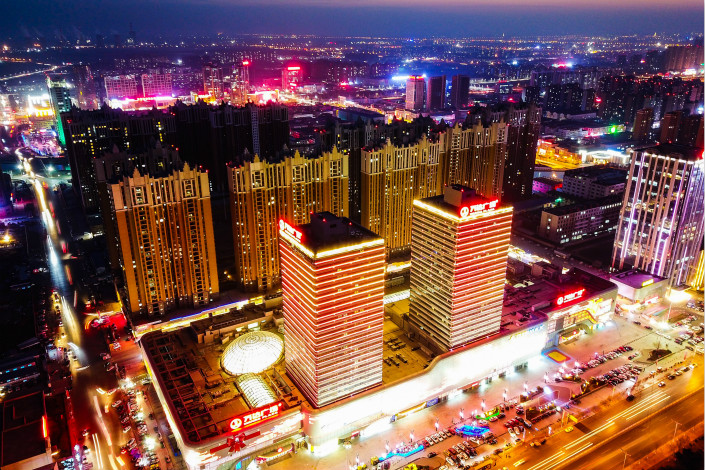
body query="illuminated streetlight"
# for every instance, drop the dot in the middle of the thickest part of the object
(386, 446)
(411, 436)
(437, 425)
(462, 413)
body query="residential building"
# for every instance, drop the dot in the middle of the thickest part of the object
(91, 133)
(523, 127)
(156, 84)
(120, 87)
(436, 96)
(262, 193)
(213, 81)
(165, 232)
(661, 221)
(392, 178)
(643, 124)
(333, 286)
(459, 248)
(459, 91)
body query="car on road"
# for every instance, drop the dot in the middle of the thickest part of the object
(116, 403)
(662, 384)
(671, 377)
(569, 429)
(430, 455)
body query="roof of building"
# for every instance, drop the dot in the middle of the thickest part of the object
(602, 174)
(676, 150)
(456, 198)
(548, 181)
(636, 278)
(327, 231)
(585, 205)
(22, 428)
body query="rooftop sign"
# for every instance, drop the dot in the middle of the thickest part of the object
(567, 298)
(465, 211)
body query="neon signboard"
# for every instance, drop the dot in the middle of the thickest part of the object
(256, 416)
(293, 68)
(286, 228)
(566, 298)
(465, 211)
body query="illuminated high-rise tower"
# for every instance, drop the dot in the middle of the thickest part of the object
(333, 284)
(459, 248)
(415, 93)
(60, 102)
(660, 226)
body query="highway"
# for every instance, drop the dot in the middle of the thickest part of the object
(594, 443)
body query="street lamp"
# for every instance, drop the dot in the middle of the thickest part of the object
(482, 405)
(545, 377)
(462, 414)
(676, 429)
(437, 424)
(386, 446)
(411, 436)
(526, 386)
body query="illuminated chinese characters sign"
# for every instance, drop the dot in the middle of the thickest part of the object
(255, 417)
(465, 211)
(567, 298)
(288, 229)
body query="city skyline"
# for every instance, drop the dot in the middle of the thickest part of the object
(170, 18)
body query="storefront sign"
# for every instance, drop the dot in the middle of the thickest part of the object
(256, 416)
(647, 283)
(566, 298)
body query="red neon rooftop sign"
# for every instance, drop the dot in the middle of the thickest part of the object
(481, 207)
(288, 229)
(566, 298)
(256, 416)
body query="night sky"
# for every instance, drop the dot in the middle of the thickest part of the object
(410, 18)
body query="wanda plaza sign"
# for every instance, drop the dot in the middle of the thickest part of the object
(256, 416)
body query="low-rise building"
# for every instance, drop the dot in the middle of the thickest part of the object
(639, 286)
(544, 185)
(594, 182)
(574, 222)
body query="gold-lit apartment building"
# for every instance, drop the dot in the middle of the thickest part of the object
(165, 232)
(391, 178)
(475, 157)
(262, 193)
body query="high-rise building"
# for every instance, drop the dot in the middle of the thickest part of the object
(261, 193)
(165, 231)
(120, 87)
(415, 93)
(291, 77)
(476, 154)
(679, 58)
(459, 249)
(643, 124)
(211, 136)
(459, 91)
(333, 285)
(670, 125)
(86, 93)
(524, 125)
(436, 96)
(661, 221)
(213, 81)
(89, 134)
(156, 84)
(115, 165)
(60, 102)
(691, 131)
(392, 177)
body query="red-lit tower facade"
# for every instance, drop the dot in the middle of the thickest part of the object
(459, 248)
(332, 272)
(291, 77)
(244, 80)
